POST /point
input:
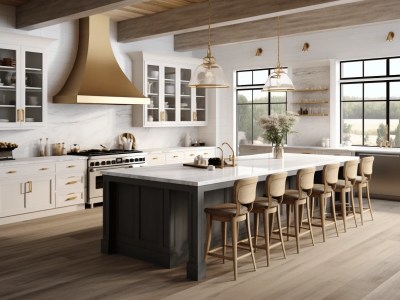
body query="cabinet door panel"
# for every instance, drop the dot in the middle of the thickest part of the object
(40, 193)
(12, 198)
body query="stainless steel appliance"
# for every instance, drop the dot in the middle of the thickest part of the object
(100, 160)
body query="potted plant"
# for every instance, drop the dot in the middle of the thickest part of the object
(276, 127)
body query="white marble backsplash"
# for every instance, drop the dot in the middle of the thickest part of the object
(92, 125)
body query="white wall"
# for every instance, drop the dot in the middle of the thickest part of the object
(350, 43)
(87, 125)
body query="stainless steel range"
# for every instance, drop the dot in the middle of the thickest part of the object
(100, 160)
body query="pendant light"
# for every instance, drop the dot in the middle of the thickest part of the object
(278, 80)
(209, 74)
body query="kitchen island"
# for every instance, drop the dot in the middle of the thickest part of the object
(157, 213)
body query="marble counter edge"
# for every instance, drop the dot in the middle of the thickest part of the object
(28, 160)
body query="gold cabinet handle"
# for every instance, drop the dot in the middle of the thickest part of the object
(11, 172)
(154, 158)
(72, 182)
(23, 115)
(29, 190)
(162, 116)
(175, 156)
(43, 169)
(71, 198)
(192, 154)
(205, 153)
(194, 116)
(71, 166)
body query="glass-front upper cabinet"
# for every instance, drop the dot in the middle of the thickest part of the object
(33, 87)
(8, 87)
(22, 89)
(165, 81)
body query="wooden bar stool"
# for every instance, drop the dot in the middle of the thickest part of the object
(362, 181)
(244, 194)
(267, 206)
(346, 185)
(320, 192)
(298, 198)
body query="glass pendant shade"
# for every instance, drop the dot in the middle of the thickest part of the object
(278, 81)
(208, 75)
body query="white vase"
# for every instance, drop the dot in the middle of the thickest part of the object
(277, 151)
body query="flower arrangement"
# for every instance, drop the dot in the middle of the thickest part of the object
(276, 127)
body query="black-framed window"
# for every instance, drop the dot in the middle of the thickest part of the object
(252, 103)
(370, 102)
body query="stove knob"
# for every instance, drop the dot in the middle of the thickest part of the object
(131, 160)
(141, 159)
(108, 162)
(113, 162)
(103, 163)
(136, 159)
(92, 164)
(126, 160)
(97, 163)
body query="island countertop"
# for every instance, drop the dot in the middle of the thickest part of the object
(247, 166)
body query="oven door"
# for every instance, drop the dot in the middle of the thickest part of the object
(96, 182)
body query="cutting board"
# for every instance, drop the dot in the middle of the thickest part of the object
(195, 165)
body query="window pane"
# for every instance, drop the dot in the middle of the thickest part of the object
(395, 90)
(278, 97)
(244, 78)
(260, 76)
(375, 91)
(375, 67)
(244, 124)
(394, 122)
(351, 92)
(374, 123)
(244, 96)
(259, 110)
(260, 96)
(352, 69)
(394, 66)
(278, 109)
(352, 120)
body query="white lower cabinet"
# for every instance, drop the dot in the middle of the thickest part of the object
(26, 194)
(70, 183)
(178, 155)
(34, 190)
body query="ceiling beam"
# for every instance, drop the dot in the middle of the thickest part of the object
(223, 12)
(366, 12)
(40, 13)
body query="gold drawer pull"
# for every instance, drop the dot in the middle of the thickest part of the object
(155, 158)
(71, 166)
(192, 154)
(71, 198)
(72, 182)
(11, 172)
(43, 169)
(175, 156)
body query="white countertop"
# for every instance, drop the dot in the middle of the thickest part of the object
(172, 149)
(29, 160)
(350, 148)
(251, 165)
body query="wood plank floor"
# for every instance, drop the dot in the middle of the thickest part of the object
(59, 258)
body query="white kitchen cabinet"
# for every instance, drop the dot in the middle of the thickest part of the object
(178, 155)
(24, 193)
(23, 87)
(165, 81)
(70, 183)
(37, 187)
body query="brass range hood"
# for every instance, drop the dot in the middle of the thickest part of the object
(96, 77)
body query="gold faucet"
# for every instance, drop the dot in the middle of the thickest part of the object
(231, 157)
(222, 157)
